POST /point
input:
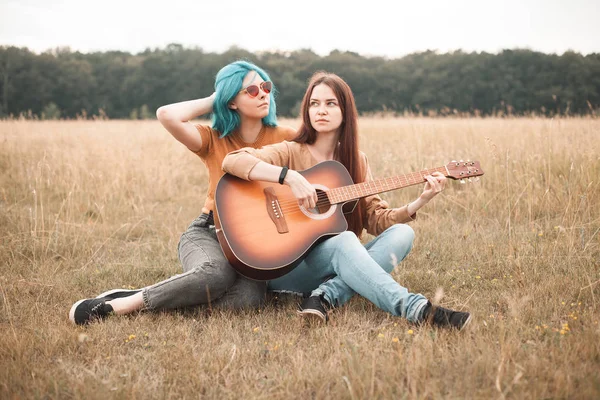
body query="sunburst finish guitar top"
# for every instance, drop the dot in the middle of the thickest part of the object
(263, 231)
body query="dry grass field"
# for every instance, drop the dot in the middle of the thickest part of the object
(86, 206)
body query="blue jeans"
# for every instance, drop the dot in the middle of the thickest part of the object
(354, 268)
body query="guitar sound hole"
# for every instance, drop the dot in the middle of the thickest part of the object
(323, 204)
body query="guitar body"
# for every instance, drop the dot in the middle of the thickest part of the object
(263, 231)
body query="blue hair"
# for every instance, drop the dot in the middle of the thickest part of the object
(228, 84)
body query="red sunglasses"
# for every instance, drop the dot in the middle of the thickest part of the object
(253, 90)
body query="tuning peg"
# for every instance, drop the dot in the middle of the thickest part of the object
(462, 181)
(476, 179)
(470, 180)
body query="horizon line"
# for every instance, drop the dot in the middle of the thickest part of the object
(57, 49)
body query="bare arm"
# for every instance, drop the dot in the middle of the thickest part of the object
(378, 215)
(436, 182)
(175, 118)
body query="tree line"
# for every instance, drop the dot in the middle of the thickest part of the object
(60, 83)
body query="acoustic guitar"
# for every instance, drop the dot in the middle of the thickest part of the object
(265, 233)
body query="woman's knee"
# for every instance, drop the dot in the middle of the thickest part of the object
(347, 238)
(397, 241)
(254, 294)
(401, 234)
(244, 294)
(214, 276)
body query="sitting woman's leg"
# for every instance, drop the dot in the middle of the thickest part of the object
(358, 270)
(392, 246)
(208, 278)
(206, 273)
(355, 267)
(387, 250)
(224, 287)
(352, 269)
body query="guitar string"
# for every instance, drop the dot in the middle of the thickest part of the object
(291, 201)
(288, 200)
(404, 181)
(283, 203)
(290, 206)
(323, 198)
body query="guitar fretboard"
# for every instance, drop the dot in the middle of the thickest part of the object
(359, 190)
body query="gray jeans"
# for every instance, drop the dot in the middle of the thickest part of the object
(207, 279)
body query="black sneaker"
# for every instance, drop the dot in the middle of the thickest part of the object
(118, 293)
(87, 310)
(314, 307)
(445, 318)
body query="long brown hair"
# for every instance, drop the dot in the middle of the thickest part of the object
(347, 150)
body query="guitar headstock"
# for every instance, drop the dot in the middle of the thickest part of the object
(463, 169)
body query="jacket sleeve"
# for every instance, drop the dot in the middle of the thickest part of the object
(241, 162)
(378, 215)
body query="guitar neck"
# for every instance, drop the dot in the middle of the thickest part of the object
(360, 190)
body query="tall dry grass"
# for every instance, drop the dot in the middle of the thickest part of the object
(88, 206)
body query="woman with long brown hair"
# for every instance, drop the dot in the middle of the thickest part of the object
(329, 132)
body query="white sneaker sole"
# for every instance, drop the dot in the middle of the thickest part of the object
(108, 293)
(467, 322)
(312, 315)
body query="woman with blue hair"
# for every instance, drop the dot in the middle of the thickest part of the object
(243, 114)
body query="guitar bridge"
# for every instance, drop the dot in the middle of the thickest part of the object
(274, 210)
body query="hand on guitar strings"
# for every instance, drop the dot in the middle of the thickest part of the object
(304, 192)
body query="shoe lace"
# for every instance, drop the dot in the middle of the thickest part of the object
(97, 307)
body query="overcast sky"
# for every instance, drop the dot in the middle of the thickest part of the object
(371, 27)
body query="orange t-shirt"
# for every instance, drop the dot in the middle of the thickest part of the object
(214, 149)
